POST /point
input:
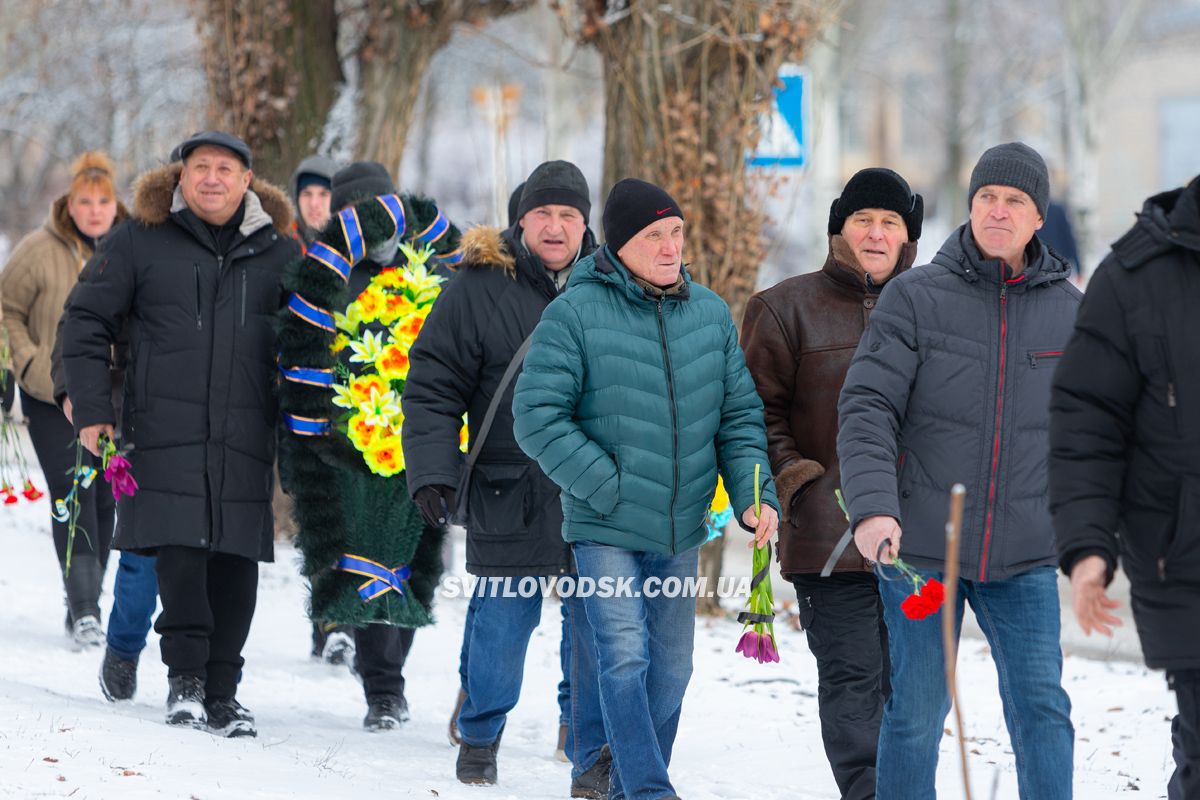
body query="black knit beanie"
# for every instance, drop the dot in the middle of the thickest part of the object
(876, 187)
(557, 183)
(1015, 164)
(514, 203)
(306, 179)
(360, 179)
(631, 206)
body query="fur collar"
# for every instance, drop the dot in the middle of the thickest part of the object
(484, 247)
(155, 196)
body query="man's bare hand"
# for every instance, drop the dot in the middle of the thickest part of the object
(871, 533)
(89, 437)
(1091, 605)
(67, 407)
(764, 524)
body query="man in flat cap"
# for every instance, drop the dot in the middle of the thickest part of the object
(195, 275)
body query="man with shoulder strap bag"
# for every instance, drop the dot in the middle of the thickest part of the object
(465, 361)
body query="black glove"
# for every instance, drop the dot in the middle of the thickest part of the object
(434, 503)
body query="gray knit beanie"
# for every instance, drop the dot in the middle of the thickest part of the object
(1015, 164)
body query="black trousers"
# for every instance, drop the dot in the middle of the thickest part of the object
(1185, 735)
(379, 655)
(842, 616)
(53, 439)
(208, 602)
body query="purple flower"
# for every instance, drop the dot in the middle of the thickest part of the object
(118, 473)
(766, 650)
(748, 645)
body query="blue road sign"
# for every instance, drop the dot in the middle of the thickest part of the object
(783, 142)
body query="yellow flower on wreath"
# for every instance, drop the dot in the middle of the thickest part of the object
(361, 434)
(392, 363)
(385, 457)
(407, 329)
(361, 387)
(370, 303)
(389, 278)
(395, 306)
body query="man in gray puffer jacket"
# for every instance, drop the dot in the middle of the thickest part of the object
(951, 384)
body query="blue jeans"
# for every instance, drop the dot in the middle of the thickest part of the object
(1020, 618)
(644, 651)
(564, 659)
(492, 664)
(135, 595)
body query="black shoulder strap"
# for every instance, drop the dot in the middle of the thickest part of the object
(489, 417)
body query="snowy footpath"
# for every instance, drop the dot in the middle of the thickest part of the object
(748, 730)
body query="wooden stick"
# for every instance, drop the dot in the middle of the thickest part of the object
(949, 607)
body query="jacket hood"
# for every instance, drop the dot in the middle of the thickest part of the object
(60, 225)
(841, 264)
(315, 165)
(961, 256)
(1173, 218)
(156, 196)
(603, 266)
(484, 247)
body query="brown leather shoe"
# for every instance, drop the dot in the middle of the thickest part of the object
(455, 739)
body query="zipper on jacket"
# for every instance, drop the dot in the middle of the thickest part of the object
(199, 319)
(243, 295)
(1033, 357)
(662, 335)
(996, 429)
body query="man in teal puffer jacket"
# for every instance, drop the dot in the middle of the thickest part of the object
(633, 396)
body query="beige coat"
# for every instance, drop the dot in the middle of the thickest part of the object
(33, 287)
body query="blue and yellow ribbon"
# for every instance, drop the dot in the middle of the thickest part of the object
(352, 230)
(381, 579)
(308, 375)
(324, 254)
(395, 208)
(436, 230)
(451, 259)
(310, 313)
(305, 426)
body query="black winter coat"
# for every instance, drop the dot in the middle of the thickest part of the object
(475, 328)
(951, 384)
(200, 406)
(1125, 425)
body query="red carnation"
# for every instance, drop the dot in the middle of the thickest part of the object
(927, 602)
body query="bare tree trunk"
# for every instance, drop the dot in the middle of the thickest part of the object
(1097, 36)
(400, 40)
(273, 72)
(952, 197)
(686, 83)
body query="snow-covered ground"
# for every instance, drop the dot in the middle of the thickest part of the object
(748, 730)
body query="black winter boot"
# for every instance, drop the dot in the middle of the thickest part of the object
(385, 713)
(229, 718)
(118, 677)
(185, 702)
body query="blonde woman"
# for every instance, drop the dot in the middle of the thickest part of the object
(41, 272)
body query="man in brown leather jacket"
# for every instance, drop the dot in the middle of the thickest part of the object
(799, 337)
